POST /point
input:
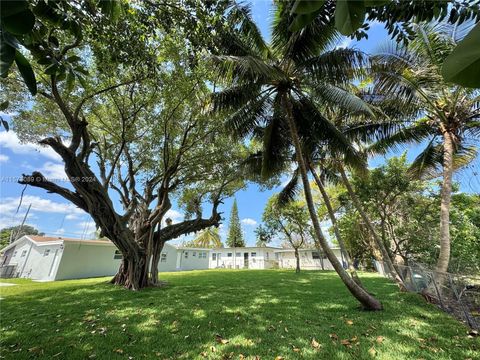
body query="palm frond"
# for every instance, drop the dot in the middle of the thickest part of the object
(313, 126)
(240, 16)
(337, 66)
(428, 162)
(244, 69)
(290, 190)
(244, 121)
(331, 95)
(298, 46)
(415, 133)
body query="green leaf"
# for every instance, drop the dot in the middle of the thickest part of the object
(306, 6)
(4, 105)
(462, 66)
(51, 69)
(73, 58)
(302, 20)
(26, 71)
(20, 23)
(70, 81)
(8, 8)
(7, 55)
(349, 16)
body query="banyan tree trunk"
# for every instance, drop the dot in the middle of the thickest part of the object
(133, 273)
(157, 250)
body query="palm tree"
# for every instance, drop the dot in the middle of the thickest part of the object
(443, 117)
(274, 89)
(208, 238)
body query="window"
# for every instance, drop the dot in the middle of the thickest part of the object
(14, 253)
(163, 257)
(46, 252)
(266, 255)
(118, 255)
(315, 255)
(186, 254)
(214, 256)
(229, 254)
(253, 254)
(238, 254)
(194, 253)
(202, 255)
(24, 253)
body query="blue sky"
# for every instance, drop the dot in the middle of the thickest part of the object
(55, 216)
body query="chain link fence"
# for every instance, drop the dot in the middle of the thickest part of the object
(456, 294)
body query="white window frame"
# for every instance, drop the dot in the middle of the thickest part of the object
(229, 254)
(185, 254)
(117, 255)
(163, 257)
(24, 253)
(253, 254)
(46, 252)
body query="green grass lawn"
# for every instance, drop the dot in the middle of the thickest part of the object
(257, 315)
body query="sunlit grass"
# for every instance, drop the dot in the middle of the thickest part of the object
(254, 313)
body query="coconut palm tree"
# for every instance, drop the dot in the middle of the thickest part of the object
(443, 118)
(208, 238)
(277, 87)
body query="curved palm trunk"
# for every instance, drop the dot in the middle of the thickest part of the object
(367, 301)
(333, 219)
(446, 194)
(378, 241)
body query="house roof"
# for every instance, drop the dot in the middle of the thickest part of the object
(50, 240)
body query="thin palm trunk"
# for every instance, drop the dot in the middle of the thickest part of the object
(392, 270)
(333, 219)
(367, 301)
(446, 194)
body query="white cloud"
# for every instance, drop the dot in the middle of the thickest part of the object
(72, 216)
(53, 171)
(3, 158)
(10, 140)
(249, 222)
(8, 207)
(175, 215)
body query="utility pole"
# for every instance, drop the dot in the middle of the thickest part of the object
(12, 239)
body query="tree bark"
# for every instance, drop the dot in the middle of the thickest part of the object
(377, 240)
(333, 219)
(297, 261)
(368, 302)
(133, 273)
(446, 194)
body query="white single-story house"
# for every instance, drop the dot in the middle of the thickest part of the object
(57, 258)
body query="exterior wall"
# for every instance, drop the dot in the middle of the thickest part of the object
(242, 258)
(192, 259)
(33, 260)
(87, 260)
(169, 261)
(307, 262)
(42, 262)
(19, 257)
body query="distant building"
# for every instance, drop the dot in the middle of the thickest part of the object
(56, 258)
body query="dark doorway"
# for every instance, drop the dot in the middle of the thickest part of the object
(245, 260)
